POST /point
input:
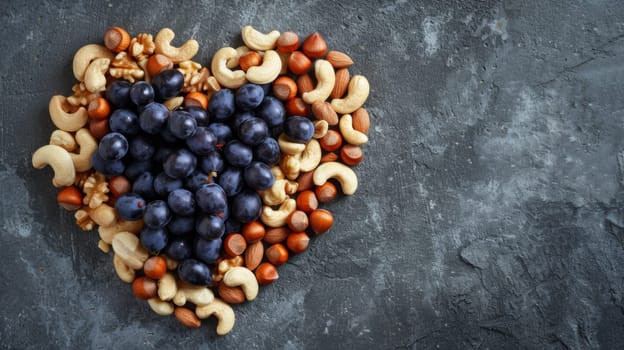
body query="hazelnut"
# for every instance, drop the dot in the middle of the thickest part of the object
(287, 42)
(314, 46)
(234, 244)
(331, 141)
(276, 235)
(297, 221)
(306, 201)
(296, 106)
(266, 273)
(297, 242)
(327, 192)
(155, 267)
(250, 59)
(70, 198)
(277, 254)
(98, 108)
(284, 88)
(144, 288)
(253, 231)
(351, 155)
(321, 220)
(298, 63)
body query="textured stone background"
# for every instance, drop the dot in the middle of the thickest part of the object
(489, 212)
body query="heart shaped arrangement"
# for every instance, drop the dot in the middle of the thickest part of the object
(204, 181)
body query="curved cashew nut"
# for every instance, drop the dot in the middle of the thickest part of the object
(277, 173)
(129, 249)
(64, 120)
(103, 215)
(222, 311)
(124, 272)
(85, 55)
(95, 78)
(291, 166)
(311, 156)
(88, 145)
(198, 295)
(162, 44)
(345, 175)
(242, 277)
(233, 62)
(289, 147)
(320, 128)
(275, 195)
(167, 287)
(351, 135)
(63, 139)
(225, 76)
(325, 78)
(357, 94)
(267, 71)
(277, 218)
(107, 233)
(259, 41)
(162, 308)
(60, 161)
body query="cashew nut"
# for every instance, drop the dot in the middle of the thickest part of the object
(162, 43)
(225, 76)
(351, 135)
(162, 308)
(64, 120)
(311, 156)
(277, 173)
(63, 139)
(289, 147)
(259, 41)
(60, 161)
(320, 128)
(198, 295)
(325, 78)
(277, 218)
(275, 195)
(85, 55)
(107, 233)
(222, 311)
(242, 277)
(88, 145)
(103, 215)
(167, 287)
(233, 62)
(357, 94)
(95, 78)
(291, 165)
(345, 176)
(124, 272)
(267, 71)
(129, 249)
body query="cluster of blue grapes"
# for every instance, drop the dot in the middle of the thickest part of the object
(194, 172)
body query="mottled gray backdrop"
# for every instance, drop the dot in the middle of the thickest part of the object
(489, 209)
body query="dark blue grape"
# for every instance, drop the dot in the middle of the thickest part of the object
(179, 248)
(194, 272)
(237, 153)
(118, 94)
(141, 93)
(249, 96)
(181, 225)
(163, 184)
(199, 114)
(154, 239)
(130, 206)
(124, 121)
(221, 105)
(212, 163)
(267, 152)
(181, 202)
(207, 251)
(231, 180)
(203, 142)
(135, 168)
(299, 129)
(239, 117)
(272, 111)
(182, 124)
(211, 199)
(113, 146)
(143, 185)
(232, 225)
(157, 214)
(107, 167)
(153, 118)
(162, 153)
(196, 180)
(253, 131)
(142, 147)
(258, 176)
(222, 132)
(246, 206)
(168, 83)
(180, 164)
(166, 134)
(209, 227)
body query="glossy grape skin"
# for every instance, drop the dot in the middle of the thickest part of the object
(153, 118)
(141, 147)
(231, 180)
(141, 93)
(154, 239)
(163, 184)
(246, 206)
(239, 117)
(162, 153)
(196, 180)
(135, 168)
(258, 176)
(272, 111)
(124, 121)
(212, 163)
(157, 214)
(166, 135)
(299, 129)
(179, 248)
(168, 83)
(253, 131)
(182, 124)
(199, 114)
(181, 225)
(209, 227)
(267, 151)
(222, 132)
(203, 142)
(207, 251)
(180, 164)
(237, 153)
(181, 202)
(232, 225)
(130, 206)
(113, 146)
(221, 105)
(194, 272)
(118, 94)
(107, 167)
(143, 185)
(249, 96)
(211, 199)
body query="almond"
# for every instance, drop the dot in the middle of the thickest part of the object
(341, 84)
(278, 234)
(231, 295)
(187, 317)
(324, 111)
(304, 83)
(339, 59)
(253, 255)
(361, 120)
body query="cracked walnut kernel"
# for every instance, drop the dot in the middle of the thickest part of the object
(95, 189)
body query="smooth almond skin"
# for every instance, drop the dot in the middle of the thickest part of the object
(342, 83)
(231, 295)
(277, 234)
(187, 317)
(339, 59)
(253, 255)
(305, 83)
(324, 111)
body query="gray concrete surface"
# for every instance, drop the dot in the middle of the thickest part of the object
(490, 208)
